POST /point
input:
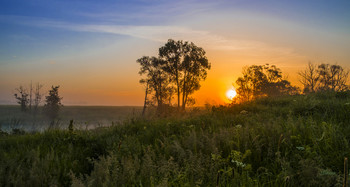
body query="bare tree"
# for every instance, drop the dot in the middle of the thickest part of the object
(37, 97)
(309, 78)
(338, 78)
(30, 95)
(324, 77)
(22, 97)
(332, 77)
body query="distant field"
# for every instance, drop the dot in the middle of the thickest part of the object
(85, 117)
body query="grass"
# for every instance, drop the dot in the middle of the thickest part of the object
(287, 141)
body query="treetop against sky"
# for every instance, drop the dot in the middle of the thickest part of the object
(90, 48)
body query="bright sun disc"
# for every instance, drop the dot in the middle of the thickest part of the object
(230, 94)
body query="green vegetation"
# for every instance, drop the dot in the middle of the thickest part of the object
(284, 141)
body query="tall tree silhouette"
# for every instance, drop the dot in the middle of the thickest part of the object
(179, 67)
(186, 64)
(156, 80)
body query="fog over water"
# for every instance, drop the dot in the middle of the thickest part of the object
(84, 117)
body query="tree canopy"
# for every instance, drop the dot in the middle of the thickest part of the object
(179, 68)
(52, 103)
(262, 81)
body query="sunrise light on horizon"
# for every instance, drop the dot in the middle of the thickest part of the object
(90, 48)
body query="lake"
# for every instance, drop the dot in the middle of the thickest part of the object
(85, 117)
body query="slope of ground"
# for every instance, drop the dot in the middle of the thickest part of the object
(291, 141)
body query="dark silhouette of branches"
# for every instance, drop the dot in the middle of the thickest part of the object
(309, 78)
(22, 98)
(324, 77)
(29, 101)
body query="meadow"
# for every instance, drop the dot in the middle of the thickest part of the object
(284, 141)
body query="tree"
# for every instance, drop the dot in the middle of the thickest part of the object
(309, 78)
(171, 54)
(179, 68)
(332, 77)
(53, 103)
(324, 77)
(156, 80)
(37, 97)
(22, 98)
(147, 90)
(29, 100)
(262, 81)
(187, 65)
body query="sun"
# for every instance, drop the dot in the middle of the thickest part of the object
(231, 93)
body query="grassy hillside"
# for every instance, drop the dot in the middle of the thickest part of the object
(287, 141)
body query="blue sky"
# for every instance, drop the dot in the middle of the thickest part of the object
(91, 47)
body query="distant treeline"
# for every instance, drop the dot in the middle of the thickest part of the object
(29, 100)
(266, 81)
(181, 65)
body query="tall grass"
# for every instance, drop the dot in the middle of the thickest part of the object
(287, 141)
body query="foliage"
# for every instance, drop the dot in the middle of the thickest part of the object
(156, 80)
(261, 81)
(179, 67)
(52, 103)
(286, 141)
(186, 64)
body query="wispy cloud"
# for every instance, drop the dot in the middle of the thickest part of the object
(160, 33)
(148, 11)
(156, 33)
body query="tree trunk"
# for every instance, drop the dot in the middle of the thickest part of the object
(184, 94)
(30, 96)
(178, 90)
(145, 103)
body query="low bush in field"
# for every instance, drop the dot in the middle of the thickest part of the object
(291, 141)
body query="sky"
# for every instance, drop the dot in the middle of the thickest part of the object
(90, 48)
